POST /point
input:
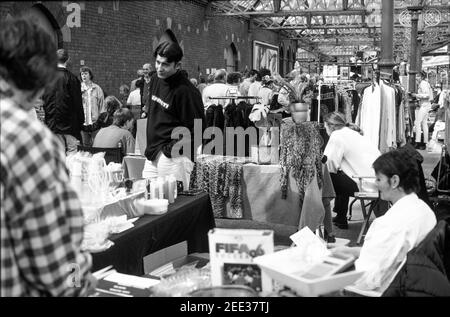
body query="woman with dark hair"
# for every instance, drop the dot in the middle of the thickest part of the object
(391, 236)
(347, 154)
(93, 102)
(105, 119)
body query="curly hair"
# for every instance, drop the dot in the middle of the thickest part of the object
(27, 55)
(404, 166)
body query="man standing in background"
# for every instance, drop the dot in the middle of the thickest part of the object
(425, 96)
(144, 84)
(63, 106)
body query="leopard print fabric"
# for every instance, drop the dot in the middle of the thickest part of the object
(221, 177)
(300, 151)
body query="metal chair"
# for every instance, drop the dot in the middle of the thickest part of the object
(372, 197)
(114, 154)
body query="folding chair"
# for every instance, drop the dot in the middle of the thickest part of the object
(114, 154)
(372, 197)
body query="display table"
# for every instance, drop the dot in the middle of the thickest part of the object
(262, 198)
(188, 218)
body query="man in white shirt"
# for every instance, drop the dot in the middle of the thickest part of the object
(134, 98)
(244, 87)
(425, 96)
(218, 89)
(256, 86)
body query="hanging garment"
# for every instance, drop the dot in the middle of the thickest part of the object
(300, 154)
(369, 120)
(356, 100)
(388, 138)
(221, 177)
(400, 111)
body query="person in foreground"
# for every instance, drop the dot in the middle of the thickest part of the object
(391, 236)
(41, 215)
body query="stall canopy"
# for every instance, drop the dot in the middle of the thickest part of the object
(327, 26)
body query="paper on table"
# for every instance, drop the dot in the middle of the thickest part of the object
(311, 245)
(131, 280)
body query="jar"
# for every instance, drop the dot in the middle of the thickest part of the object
(299, 112)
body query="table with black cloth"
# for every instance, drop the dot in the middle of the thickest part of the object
(188, 218)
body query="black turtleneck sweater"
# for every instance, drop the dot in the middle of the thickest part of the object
(173, 102)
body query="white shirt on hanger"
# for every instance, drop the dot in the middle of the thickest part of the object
(370, 114)
(389, 238)
(351, 152)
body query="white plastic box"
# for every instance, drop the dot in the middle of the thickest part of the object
(284, 267)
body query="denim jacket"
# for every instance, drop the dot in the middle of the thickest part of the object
(93, 99)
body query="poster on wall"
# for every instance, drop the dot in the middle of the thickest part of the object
(265, 56)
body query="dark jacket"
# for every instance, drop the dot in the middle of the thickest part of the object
(414, 154)
(173, 102)
(140, 83)
(104, 120)
(63, 105)
(427, 268)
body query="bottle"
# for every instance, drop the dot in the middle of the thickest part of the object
(160, 186)
(75, 178)
(172, 181)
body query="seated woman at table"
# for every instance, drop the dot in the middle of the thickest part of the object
(118, 132)
(391, 236)
(347, 154)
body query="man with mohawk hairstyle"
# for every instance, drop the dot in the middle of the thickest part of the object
(173, 105)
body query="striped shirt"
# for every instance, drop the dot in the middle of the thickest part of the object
(41, 215)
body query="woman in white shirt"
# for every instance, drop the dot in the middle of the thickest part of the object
(348, 153)
(391, 236)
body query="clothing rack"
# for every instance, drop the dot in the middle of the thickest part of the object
(233, 98)
(351, 84)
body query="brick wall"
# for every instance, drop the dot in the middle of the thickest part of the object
(116, 41)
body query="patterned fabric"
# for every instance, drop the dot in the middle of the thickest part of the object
(301, 153)
(221, 177)
(41, 216)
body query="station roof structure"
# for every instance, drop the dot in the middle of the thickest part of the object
(337, 27)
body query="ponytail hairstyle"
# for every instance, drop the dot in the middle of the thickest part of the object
(112, 104)
(336, 121)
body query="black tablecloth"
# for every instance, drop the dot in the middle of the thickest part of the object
(188, 218)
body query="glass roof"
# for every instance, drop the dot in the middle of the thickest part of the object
(322, 22)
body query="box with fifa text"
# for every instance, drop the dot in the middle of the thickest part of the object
(231, 253)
